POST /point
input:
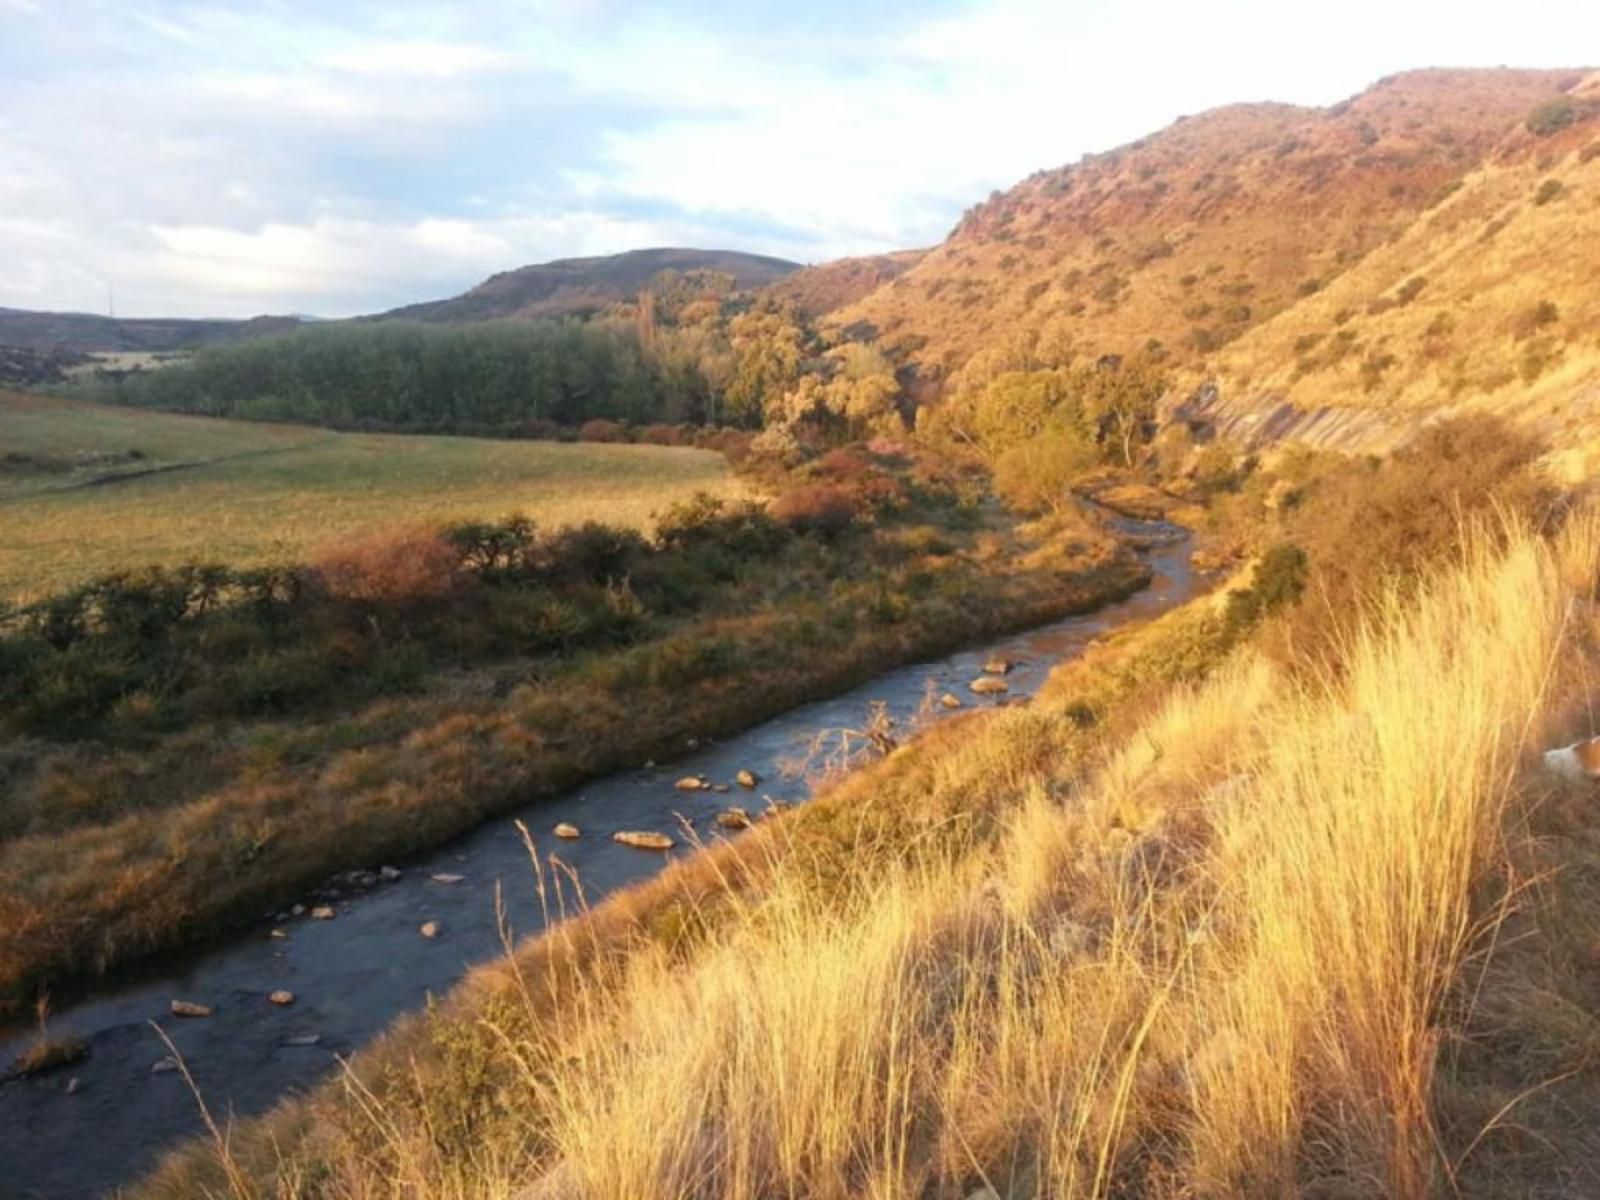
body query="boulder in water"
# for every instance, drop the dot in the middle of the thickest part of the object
(566, 830)
(188, 1008)
(643, 839)
(949, 700)
(282, 997)
(747, 778)
(988, 685)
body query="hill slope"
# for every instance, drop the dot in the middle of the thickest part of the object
(46, 332)
(575, 285)
(1486, 301)
(1191, 238)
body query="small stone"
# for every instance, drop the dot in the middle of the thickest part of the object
(949, 701)
(720, 788)
(733, 818)
(188, 1008)
(278, 934)
(747, 778)
(162, 1065)
(690, 783)
(429, 929)
(322, 912)
(988, 685)
(564, 830)
(303, 1039)
(997, 666)
(299, 910)
(389, 874)
(649, 764)
(693, 743)
(281, 997)
(643, 839)
(73, 1085)
(446, 877)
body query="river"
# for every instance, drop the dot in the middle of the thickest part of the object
(353, 975)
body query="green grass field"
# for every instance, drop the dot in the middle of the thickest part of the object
(74, 502)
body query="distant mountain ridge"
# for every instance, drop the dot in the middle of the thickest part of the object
(81, 333)
(580, 285)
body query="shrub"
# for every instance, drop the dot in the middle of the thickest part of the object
(1548, 191)
(1552, 117)
(1534, 318)
(600, 430)
(394, 569)
(667, 435)
(822, 510)
(744, 529)
(591, 552)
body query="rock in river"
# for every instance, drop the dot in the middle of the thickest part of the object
(691, 783)
(997, 666)
(733, 818)
(949, 701)
(988, 685)
(282, 997)
(747, 778)
(429, 929)
(565, 830)
(188, 1008)
(322, 912)
(644, 839)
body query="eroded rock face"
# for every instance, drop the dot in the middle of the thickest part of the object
(1579, 762)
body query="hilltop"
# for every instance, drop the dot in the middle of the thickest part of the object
(1228, 238)
(584, 285)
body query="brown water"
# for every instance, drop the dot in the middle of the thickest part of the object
(353, 975)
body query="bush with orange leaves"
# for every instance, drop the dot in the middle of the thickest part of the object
(414, 566)
(823, 509)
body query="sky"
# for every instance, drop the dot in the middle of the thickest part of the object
(332, 157)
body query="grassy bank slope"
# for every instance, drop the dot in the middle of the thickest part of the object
(1269, 938)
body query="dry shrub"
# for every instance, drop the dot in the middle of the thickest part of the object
(823, 509)
(409, 567)
(599, 430)
(666, 435)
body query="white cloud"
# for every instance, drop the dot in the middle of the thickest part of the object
(227, 158)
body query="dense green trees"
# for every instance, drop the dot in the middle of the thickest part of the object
(500, 377)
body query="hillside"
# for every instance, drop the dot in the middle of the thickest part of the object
(821, 289)
(46, 332)
(579, 285)
(1187, 240)
(1485, 301)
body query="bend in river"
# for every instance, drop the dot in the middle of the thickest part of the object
(351, 976)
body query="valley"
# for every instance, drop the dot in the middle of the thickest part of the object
(1060, 712)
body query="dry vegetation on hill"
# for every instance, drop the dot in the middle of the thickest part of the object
(1487, 299)
(1420, 245)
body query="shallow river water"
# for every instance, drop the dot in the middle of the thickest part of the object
(353, 975)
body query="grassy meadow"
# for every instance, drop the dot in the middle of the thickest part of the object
(246, 494)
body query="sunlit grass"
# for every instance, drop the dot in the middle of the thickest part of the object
(264, 493)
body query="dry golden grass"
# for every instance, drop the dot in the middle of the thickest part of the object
(1230, 962)
(262, 493)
